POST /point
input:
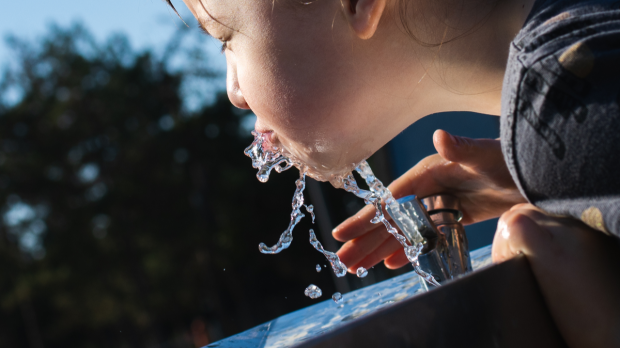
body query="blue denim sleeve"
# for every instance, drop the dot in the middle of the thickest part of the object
(560, 124)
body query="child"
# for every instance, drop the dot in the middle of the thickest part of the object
(333, 81)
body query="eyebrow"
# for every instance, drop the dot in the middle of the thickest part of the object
(203, 28)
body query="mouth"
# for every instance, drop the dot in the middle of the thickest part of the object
(267, 134)
(260, 127)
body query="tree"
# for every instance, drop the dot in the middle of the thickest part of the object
(126, 220)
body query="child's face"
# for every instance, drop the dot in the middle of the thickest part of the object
(306, 77)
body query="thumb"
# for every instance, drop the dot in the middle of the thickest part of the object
(467, 151)
(518, 231)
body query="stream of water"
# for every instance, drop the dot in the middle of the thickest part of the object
(267, 156)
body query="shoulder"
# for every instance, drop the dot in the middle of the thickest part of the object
(554, 26)
(564, 61)
(560, 104)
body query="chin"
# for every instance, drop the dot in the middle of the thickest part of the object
(322, 169)
(320, 162)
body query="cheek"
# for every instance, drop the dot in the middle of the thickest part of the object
(296, 88)
(305, 87)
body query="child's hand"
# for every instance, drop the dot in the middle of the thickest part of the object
(577, 268)
(472, 170)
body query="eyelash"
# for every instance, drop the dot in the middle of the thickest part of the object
(224, 42)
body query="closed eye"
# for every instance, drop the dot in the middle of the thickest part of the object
(224, 43)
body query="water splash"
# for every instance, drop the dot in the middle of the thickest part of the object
(313, 291)
(391, 205)
(266, 156)
(318, 268)
(287, 236)
(339, 268)
(362, 272)
(377, 193)
(337, 297)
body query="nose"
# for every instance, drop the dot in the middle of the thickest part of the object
(232, 87)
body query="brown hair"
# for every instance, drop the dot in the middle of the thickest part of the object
(171, 5)
(402, 16)
(403, 11)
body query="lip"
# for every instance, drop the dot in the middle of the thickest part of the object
(260, 127)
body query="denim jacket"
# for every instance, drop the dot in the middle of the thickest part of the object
(560, 124)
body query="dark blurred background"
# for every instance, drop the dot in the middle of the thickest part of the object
(129, 215)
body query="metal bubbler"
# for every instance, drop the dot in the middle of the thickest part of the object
(437, 220)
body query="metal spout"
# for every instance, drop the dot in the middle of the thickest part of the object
(446, 250)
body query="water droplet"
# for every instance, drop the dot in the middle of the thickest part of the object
(362, 272)
(313, 291)
(318, 268)
(310, 210)
(340, 269)
(337, 297)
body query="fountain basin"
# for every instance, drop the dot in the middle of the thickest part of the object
(495, 306)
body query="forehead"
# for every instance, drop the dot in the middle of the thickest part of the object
(206, 11)
(209, 11)
(251, 18)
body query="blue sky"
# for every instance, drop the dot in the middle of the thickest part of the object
(147, 23)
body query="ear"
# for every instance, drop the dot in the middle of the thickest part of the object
(363, 16)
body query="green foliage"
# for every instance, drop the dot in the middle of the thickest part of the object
(127, 221)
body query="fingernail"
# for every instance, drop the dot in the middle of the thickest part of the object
(501, 227)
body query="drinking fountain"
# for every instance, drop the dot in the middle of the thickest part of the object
(437, 220)
(479, 304)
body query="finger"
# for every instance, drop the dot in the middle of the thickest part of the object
(354, 251)
(418, 180)
(357, 225)
(396, 260)
(421, 179)
(518, 232)
(474, 153)
(541, 218)
(386, 249)
(573, 265)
